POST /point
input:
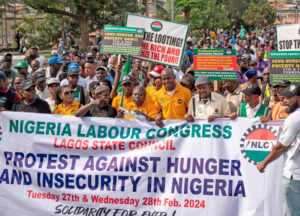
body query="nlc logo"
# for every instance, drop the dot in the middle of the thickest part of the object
(258, 142)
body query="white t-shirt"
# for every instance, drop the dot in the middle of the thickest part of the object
(290, 136)
(82, 82)
(51, 103)
(252, 112)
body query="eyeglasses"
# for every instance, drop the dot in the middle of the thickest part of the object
(67, 93)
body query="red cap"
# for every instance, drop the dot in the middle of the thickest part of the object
(157, 70)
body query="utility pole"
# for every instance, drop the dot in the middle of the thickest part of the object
(296, 20)
(172, 10)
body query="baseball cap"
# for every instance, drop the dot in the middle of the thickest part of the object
(95, 49)
(282, 83)
(126, 79)
(188, 53)
(26, 84)
(54, 53)
(38, 76)
(292, 90)
(89, 55)
(241, 58)
(73, 66)
(252, 90)
(78, 55)
(64, 59)
(252, 63)
(55, 59)
(53, 81)
(2, 75)
(72, 72)
(76, 46)
(156, 72)
(101, 67)
(201, 80)
(22, 64)
(93, 85)
(189, 39)
(35, 47)
(250, 73)
(102, 88)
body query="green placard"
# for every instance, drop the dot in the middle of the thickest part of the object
(284, 65)
(122, 40)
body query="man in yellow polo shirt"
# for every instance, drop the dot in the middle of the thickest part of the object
(140, 108)
(172, 99)
(127, 87)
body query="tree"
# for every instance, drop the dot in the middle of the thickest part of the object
(202, 14)
(42, 32)
(114, 14)
(259, 15)
(79, 10)
(237, 8)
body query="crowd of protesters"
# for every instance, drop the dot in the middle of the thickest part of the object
(90, 84)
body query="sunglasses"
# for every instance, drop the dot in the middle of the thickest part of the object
(67, 93)
(127, 84)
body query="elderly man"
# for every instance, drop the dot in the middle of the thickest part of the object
(233, 95)
(140, 109)
(30, 103)
(288, 144)
(172, 99)
(101, 74)
(252, 107)
(100, 106)
(207, 104)
(39, 80)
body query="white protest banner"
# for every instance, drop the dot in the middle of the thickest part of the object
(62, 165)
(288, 37)
(164, 41)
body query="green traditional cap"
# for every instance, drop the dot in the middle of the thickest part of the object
(22, 64)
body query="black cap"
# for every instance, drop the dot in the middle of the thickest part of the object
(241, 58)
(292, 90)
(76, 46)
(126, 79)
(252, 90)
(38, 76)
(26, 84)
(282, 83)
(72, 72)
(95, 49)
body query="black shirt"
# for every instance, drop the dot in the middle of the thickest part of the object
(106, 111)
(39, 106)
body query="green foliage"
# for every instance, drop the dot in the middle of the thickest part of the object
(259, 15)
(237, 8)
(202, 14)
(114, 13)
(42, 32)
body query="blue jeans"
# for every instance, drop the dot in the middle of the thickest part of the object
(291, 197)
